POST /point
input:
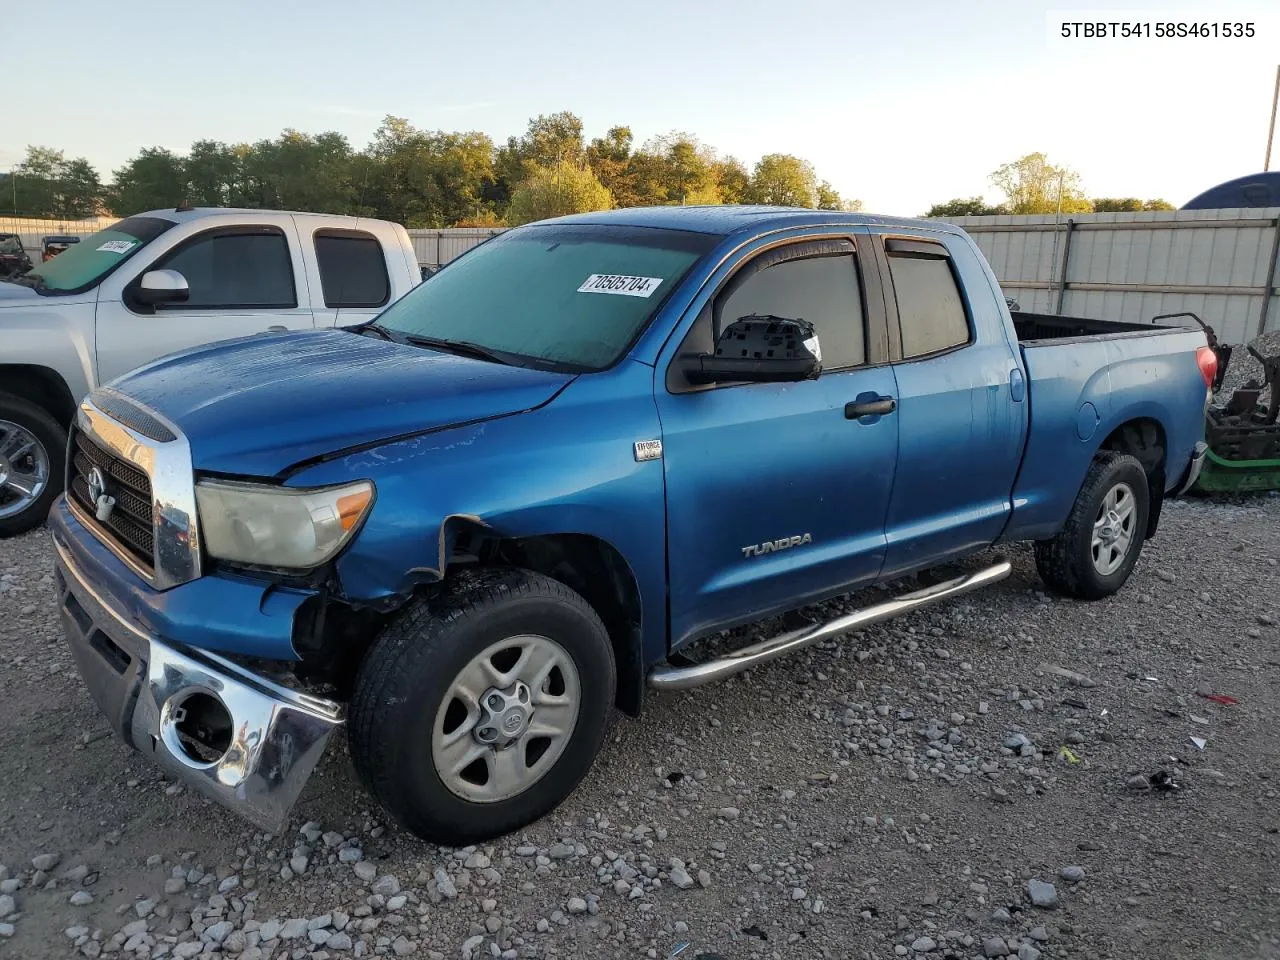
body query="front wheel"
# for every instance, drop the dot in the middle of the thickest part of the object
(480, 709)
(1095, 552)
(33, 449)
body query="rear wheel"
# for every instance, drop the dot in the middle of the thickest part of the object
(479, 710)
(33, 449)
(1094, 554)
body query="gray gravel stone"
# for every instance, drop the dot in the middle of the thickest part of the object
(7, 905)
(680, 877)
(7, 930)
(219, 931)
(1072, 874)
(365, 870)
(1042, 894)
(577, 905)
(345, 855)
(386, 885)
(339, 941)
(293, 929)
(1028, 952)
(924, 945)
(45, 861)
(81, 898)
(995, 947)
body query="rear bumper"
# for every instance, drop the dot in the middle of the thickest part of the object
(1193, 469)
(274, 736)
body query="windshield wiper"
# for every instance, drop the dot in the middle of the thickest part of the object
(463, 348)
(381, 331)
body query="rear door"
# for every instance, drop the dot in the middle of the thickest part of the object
(961, 407)
(777, 492)
(243, 277)
(352, 282)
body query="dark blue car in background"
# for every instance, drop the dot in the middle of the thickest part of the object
(525, 491)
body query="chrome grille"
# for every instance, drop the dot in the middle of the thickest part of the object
(130, 524)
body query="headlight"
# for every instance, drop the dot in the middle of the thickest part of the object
(279, 526)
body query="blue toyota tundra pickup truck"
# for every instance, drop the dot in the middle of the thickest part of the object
(470, 528)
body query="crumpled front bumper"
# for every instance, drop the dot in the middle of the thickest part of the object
(145, 686)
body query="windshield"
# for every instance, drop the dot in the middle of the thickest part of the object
(85, 263)
(10, 244)
(574, 296)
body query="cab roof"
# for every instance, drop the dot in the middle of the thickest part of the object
(728, 219)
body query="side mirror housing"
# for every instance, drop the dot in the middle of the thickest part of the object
(759, 349)
(162, 286)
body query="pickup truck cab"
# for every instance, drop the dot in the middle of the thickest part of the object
(471, 527)
(158, 282)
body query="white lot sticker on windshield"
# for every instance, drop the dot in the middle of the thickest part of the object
(117, 246)
(616, 283)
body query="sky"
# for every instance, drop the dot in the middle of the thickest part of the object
(899, 105)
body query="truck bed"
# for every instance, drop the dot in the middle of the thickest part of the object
(1039, 327)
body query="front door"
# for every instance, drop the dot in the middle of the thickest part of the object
(777, 492)
(241, 279)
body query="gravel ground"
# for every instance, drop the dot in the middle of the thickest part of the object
(975, 781)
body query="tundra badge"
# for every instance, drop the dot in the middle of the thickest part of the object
(773, 546)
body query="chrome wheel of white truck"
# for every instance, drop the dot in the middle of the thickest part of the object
(32, 451)
(506, 719)
(1094, 554)
(481, 706)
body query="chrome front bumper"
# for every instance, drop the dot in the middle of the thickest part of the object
(277, 735)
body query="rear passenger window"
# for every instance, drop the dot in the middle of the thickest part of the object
(930, 309)
(822, 290)
(353, 271)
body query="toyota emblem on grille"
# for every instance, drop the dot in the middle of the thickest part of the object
(103, 502)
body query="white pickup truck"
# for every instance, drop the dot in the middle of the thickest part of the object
(161, 282)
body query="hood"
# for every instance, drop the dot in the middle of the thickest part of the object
(258, 405)
(16, 295)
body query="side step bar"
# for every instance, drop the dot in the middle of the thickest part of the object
(670, 677)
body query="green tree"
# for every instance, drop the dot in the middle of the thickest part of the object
(47, 184)
(214, 175)
(780, 179)
(610, 159)
(829, 199)
(732, 179)
(428, 179)
(549, 140)
(555, 192)
(80, 191)
(1128, 205)
(153, 179)
(1034, 185)
(965, 207)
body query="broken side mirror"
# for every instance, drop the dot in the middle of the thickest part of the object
(759, 349)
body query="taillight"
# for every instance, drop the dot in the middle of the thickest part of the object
(1207, 361)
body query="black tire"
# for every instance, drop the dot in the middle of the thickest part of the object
(1066, 563)
(407, 674)
(52, 437)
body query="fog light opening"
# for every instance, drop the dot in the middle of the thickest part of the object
(202, 727)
